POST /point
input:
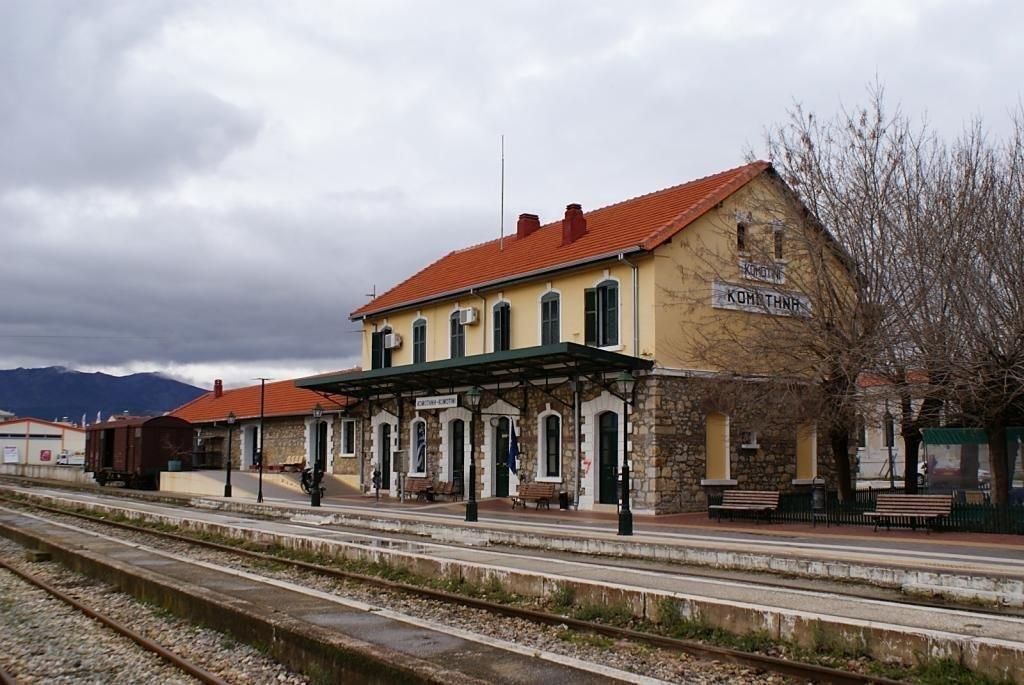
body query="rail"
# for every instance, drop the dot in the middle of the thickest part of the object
(800, 670)
(167, 655)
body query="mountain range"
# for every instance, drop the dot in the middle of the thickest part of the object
(56, 392)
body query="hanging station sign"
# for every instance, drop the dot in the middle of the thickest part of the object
(767, 273)
(746, 298)
(437, 402)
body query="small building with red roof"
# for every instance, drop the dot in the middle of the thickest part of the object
(573, 347)
(284, 415)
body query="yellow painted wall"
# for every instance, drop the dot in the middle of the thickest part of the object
(690, 333)
(525, 312)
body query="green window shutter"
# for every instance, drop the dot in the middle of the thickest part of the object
(376, 350)
(590, 316)
(610, 311)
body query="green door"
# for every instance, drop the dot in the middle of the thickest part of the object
(501, 458)
(607, 457)
(385, 456)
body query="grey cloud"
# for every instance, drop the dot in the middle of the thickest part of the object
(74, 111)
(250, 283)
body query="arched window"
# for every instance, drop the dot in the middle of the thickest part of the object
(549, 319)
(601, 314)
(551, 447)
(502, 327)
(419, 447)
(457, 343)
(419, 341)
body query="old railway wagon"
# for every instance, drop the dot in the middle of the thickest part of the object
(134, 450)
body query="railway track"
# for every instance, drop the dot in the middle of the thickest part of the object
(168, 655)
(798, 670)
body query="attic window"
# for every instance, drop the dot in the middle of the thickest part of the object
(741, 236)
(778, 237)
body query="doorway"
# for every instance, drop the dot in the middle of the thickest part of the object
(608, 453)
(501, 435)
(457, 433)
(384, 456)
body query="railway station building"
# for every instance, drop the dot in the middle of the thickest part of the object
(574, 346)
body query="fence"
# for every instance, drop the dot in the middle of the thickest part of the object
(964, 517)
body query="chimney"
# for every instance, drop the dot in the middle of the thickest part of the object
(218, 388)
(528, 223)
(574, 225)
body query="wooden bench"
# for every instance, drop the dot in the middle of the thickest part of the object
(541, 493)
(757, 501)
(927, 508)
(449, 489)
(423, 488)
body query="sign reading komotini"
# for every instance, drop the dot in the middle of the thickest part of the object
(745, 298)
(437, 402)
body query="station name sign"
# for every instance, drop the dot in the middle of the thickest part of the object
(746, 298)
(437, 402)
(768, 273)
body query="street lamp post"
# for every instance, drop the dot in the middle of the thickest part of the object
(473, 399)
(314, 496)
(890, 438)
(227, 462)
(259, 450)
(625, 382)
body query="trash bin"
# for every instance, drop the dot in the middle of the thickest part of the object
(818, 493)
(563, 500)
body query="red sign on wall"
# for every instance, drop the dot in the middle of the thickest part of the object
(45, 455)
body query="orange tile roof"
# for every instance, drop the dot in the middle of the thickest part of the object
(281, 398)
(641, 223)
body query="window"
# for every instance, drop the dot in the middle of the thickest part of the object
(717, 446)
(862, 432)
(806, 452)
(549, 323)
(741, 237)
(419, 341)
(601, 315)
(380, 356)
(778, 236)
(419, 447)
(552, 446)
(502, 327)
(890, 431)
(348, 437)
(458, 337)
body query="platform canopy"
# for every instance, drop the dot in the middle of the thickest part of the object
(512, 367)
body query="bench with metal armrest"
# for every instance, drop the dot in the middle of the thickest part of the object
(925, 508)
(540, 493)
(757, 501)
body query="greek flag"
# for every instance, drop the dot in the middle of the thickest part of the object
(513, 446)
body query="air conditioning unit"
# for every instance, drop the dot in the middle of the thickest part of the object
(467, 316)
(392, 341)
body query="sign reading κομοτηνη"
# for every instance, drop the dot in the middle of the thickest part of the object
(746, 298)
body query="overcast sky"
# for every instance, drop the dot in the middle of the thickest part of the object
(207, 189)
